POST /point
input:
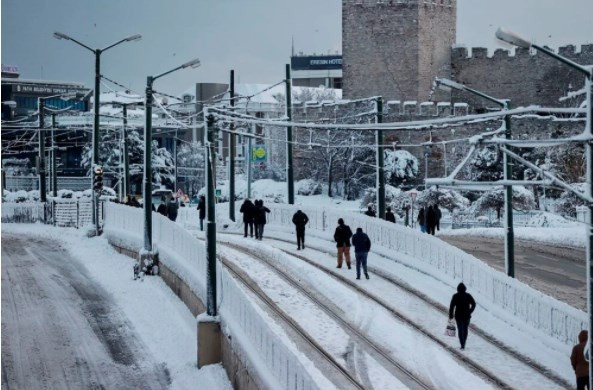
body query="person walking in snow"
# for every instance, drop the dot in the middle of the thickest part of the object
(462, 306)
(202, 210)
(300, 220)
(578, 362)
(431, 220)
(389, 216)
(162, 209)
(370, 212)
(362, 246)
(247, 208)
(342, 238)
(260, 218)
(438, 216)
(172, 209)
(422, 220)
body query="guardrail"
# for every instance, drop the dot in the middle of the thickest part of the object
(451, 265)
(247, 324)
(58, 212)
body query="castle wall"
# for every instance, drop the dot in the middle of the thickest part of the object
(525, 78)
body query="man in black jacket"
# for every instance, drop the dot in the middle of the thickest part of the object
(259, 217)
(389, 216)
(300, 219)
(463, 305)
(370, 212)
(342, 237)
(247, 208)
(362, 246)
(202, 209)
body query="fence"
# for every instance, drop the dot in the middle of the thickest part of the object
(58, 212)
(247, 325)
(451, 265)
(28, 183)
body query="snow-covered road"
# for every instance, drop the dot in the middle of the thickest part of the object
(60, 329)
(72, 317)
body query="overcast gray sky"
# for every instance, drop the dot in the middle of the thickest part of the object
(251, 36)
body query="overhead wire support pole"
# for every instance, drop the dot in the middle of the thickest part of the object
(509, 238)
(54, 172)
(232, 139)
(289, 165)
(211, 214)
(380, 161)
(148, 166)
(126, 153)
(42, 184)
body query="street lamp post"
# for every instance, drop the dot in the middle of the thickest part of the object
(505, 104)
(587, 71)
(146, 254)
(97, 92)
(54, 173)
(42, 184)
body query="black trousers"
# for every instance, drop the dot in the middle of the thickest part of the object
(300, 233)
(250, 224)
(583, 383)
(462, 329)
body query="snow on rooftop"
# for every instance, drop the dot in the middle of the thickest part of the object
(443, 104)
(427, 104)
(394, 102)
(120, 97)
(460, 105)
(410, 103)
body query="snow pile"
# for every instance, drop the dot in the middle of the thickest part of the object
(308, 187)
(546, 219)
(572, 237)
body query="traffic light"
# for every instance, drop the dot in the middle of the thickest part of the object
(98, 186)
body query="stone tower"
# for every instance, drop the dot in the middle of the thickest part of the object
(395, 48)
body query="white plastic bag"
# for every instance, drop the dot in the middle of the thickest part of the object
(450, 329)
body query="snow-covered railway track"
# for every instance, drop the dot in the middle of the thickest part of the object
(405, 376)
(479, 368)
(252, 286)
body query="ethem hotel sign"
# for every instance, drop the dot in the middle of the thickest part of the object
(316, 62)
(46, 89)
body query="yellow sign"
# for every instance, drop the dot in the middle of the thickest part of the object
(259, 154)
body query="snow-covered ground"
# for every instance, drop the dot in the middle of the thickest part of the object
(160, 319)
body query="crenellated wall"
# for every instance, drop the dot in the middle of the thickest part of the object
(526, 77)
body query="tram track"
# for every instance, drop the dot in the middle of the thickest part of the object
(478, 368)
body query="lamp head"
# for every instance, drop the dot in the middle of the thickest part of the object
(59, 35)
(133, 38)
(193, 63)
(510, 37)
(448, 85)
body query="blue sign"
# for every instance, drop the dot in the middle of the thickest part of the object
(259, 154)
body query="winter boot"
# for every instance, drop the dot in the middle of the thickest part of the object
(366, 275)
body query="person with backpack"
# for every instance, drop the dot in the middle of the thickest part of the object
(462, 306)
(389, 216)
(342, 238)
(247, 208)
(579, 364)
(202, 210)
(362, 247)
(300, 220)
(260, 218)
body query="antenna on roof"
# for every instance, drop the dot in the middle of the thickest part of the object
(292, 53)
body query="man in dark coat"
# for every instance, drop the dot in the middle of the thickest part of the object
(259, 218)
(438, 213)
(422, 220)
(247, 208)
(162, 209)
(462, 306)
(362, 246)
(389, 216)
(431, 220)
(202, 209)
(342, 238)
(172, 209)
(300, 219)
(578, 362)
(370, 212)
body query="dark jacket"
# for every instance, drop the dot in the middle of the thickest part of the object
(202, 208)
(389, 216)
(438, 213)
(370, 213)
(162, 209)
(421, 217)
(431, 217)
(172, 209)
(300, 219)
(577, 359)
(247, 208)
(462, 304)
(342, 235)
(361, 242)
(259, 217)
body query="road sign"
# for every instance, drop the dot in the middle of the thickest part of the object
(413, 195)
(218, 192)
(259, 154)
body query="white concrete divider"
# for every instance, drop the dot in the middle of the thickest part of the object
(451, 265)
(257, 339)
